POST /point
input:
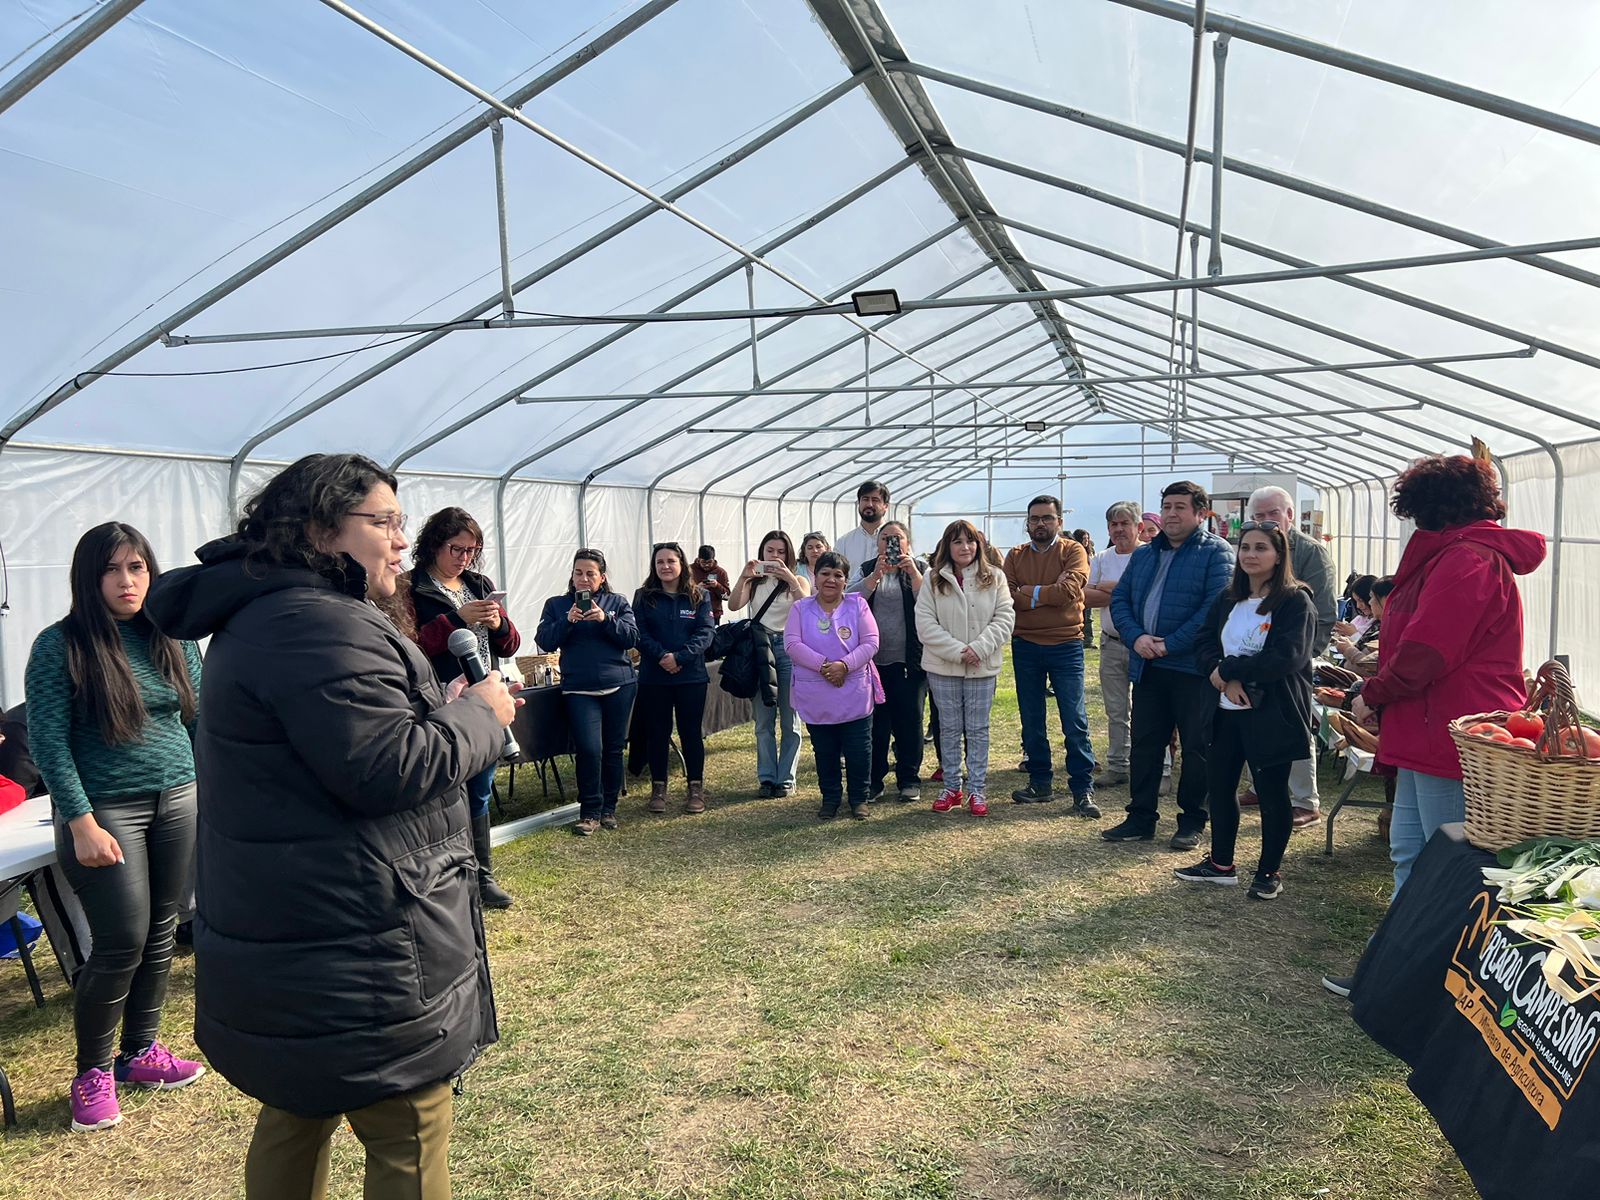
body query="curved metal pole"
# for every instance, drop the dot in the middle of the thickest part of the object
(1267, 175)
(57, 56)
(566, 258)
(1373, 68)
(429, 155)
(1267, 252)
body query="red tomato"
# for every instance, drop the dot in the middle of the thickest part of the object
(1500, 735)
(1584, 744)
(1485, 729)
(1525, 725)
(1525, 743)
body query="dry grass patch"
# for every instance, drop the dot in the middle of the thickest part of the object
(751, 1004)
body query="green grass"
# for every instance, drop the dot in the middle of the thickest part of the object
(755, 1004)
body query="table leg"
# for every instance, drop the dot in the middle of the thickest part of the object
(26, 955)
(1337, 805)
(8, 1106)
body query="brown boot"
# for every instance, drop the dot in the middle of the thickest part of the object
(697, 798)
(658, 797)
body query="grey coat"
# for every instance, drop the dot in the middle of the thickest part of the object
(1314, 567)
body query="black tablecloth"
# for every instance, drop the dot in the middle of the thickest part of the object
(1501, 1062)
(541, 726)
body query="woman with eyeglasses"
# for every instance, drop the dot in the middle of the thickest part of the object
(112, 703)
(832, 637)
(343, 967)
(445, 592)
(812, 546)
(1256, 646)
(675, 630)
(769, 586)
(594, 628)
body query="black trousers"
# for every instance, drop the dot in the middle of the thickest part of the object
(132, 910)
(850, 741)
(599, 735)
(898, 717)
(1224, 765)
(1164, 700)
(659, 705)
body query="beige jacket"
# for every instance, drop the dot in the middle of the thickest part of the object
(951, 620)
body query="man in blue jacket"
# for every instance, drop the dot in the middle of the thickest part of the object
(1158, 608)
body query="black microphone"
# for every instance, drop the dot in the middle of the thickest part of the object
(463, 644)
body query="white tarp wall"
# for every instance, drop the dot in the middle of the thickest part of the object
(1367, 537)
(49, 497)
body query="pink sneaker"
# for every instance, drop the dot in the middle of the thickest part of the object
(94, 1101)
(948, 799)
(977, 805)
(158, 1067)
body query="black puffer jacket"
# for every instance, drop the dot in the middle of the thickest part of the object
(339, 945)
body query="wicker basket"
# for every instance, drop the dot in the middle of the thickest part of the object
(1514, 793)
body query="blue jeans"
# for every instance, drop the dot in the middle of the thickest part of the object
(775, 760)
(1422, 803)
(599, 735)
(1063, 666)
(480, 790)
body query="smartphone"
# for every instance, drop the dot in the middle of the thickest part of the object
(585, 600)
(769, 568)
(893, 545)
(499, 598)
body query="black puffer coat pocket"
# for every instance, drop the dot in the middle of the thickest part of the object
(439, 882)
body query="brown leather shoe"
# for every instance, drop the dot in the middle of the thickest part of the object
(1306, 817)
(697, 798)
(1247, 798)
(658, 797)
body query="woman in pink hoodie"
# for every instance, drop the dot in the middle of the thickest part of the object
(1452, 639)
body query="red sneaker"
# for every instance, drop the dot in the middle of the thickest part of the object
(948, 799)
(977, 806)
(937, 776)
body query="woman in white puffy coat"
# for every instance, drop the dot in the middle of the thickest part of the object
(964, 620)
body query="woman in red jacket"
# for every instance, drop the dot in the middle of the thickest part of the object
(1452, 639)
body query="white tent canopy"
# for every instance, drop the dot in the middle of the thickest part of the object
(475, 216)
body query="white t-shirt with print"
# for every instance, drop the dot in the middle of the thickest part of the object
(1243, 634)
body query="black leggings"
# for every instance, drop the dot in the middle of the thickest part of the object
(132, 910)
(659, 704)
(1224, 765)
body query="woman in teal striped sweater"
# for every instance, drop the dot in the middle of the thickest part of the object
(111, 705)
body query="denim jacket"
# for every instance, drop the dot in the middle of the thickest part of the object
(1202, 568)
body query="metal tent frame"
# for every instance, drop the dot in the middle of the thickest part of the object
(1086, 364)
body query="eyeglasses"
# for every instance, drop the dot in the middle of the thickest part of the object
(393, 522)
(462, 551)
(660, 546)
(1264, 526)
(1044, 520)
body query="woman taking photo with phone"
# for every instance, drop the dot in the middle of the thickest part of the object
(445, 593)
(964, 620)
(111, 707)
(1256, 645)
(769, 586)
(832, 638)
(594, 629)
(675, 629)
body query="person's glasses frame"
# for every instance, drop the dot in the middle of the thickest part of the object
(393, 522)
(1263, 526)
(462, 551)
